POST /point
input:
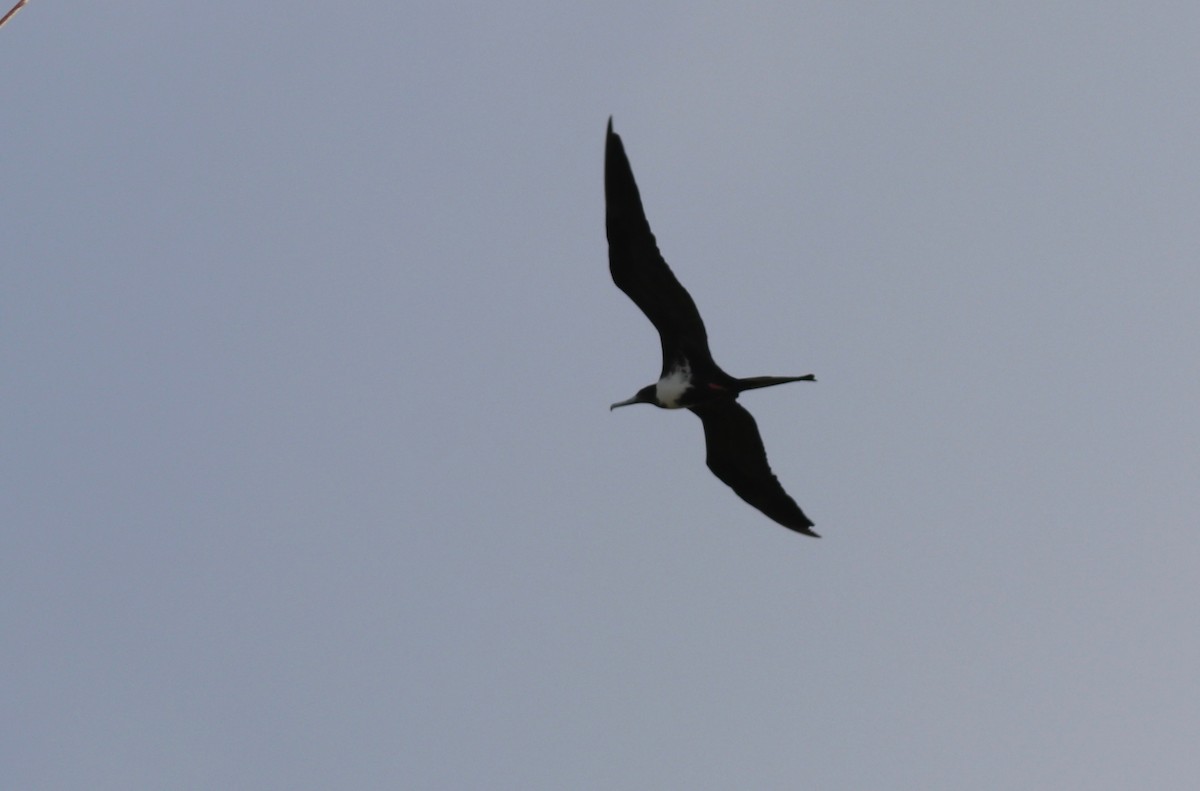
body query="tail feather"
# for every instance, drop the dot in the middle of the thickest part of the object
(755, 382)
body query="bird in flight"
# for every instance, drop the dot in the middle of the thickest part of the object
(690, 379)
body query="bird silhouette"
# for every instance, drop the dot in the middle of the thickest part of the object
(690, 379)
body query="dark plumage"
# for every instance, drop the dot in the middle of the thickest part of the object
(690, 378)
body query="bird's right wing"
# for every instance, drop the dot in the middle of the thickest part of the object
(736, 455)
(638, 267)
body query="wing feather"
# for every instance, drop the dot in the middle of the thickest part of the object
(737, 456)
(639, 269)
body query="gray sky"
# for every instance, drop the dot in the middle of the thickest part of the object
(308, 341)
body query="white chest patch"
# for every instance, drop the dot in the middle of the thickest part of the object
(672, 386)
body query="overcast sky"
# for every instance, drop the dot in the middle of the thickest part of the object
(307, 342)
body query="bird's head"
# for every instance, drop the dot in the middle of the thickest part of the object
(647, 395)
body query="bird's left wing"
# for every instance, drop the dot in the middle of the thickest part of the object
(736, 455)
(638, 267)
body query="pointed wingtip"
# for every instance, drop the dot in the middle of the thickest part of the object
(614, 152)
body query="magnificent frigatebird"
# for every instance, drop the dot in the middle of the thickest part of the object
(689, 379)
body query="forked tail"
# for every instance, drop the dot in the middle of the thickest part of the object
(755, 382)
